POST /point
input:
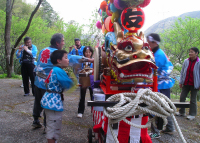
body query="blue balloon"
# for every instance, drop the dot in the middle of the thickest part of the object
(113, 8)
(110, 37)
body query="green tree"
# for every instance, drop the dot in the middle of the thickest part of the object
(9, 52)
(176, 41)
(93, 34)
(48, 13)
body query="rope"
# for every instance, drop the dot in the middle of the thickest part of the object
(130, 104)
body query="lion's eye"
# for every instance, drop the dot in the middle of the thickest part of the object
(128, 48)
(145, 48)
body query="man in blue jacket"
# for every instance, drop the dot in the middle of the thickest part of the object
(44, 66)
(165, 82)
(27, 54)
(78, 50)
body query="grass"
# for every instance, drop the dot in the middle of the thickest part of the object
(14, 76)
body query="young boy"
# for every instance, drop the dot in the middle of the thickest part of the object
(52, 100)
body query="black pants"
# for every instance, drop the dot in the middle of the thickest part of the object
(81, 105)
(27, 72)
(37, 109)
(193, 99)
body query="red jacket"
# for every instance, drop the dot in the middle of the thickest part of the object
(189, 79)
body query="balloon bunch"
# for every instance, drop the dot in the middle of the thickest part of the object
(128, 13)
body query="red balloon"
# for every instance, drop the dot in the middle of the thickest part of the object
(108, 24)
(145, 3)
(103, 5)
(107, 12)
(132, 19)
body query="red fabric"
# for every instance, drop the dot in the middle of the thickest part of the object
(105, 125)
(124, 131)
(45, 56)
(189, 80)
(47, 80)
(144, 132)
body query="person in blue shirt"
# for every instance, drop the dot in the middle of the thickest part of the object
(43, 67)
(52, 100)
(77, 50)
(87, 52)
(27, 54)
(165, 82)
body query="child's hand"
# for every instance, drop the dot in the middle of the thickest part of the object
(91, 60)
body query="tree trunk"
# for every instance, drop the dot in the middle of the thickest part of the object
(9, 6)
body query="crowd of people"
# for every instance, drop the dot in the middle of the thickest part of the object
(49, 80)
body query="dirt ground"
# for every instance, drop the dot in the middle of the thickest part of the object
(16, 119)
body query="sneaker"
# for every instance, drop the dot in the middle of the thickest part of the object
(27, 94)
(167, 131)
(154, 136)
(22, 85)
(80, 115)
(189, 117)
(180, 114)
(36, 124)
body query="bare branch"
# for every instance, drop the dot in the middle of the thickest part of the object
(29, 23)
(12, 4)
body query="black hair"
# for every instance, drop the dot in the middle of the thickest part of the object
(26, 39)
(76, 39)
(195, 49)
(57, 55)
(56, 38)
(155, 36)
(87, 47)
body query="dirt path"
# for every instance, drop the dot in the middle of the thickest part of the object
(16, 119)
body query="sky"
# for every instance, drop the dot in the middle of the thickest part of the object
(81, 10)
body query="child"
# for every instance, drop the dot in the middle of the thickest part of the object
(52, 100)
(87, 52)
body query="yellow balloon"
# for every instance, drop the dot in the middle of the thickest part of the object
(115, 17)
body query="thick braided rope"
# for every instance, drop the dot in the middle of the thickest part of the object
(157, 104)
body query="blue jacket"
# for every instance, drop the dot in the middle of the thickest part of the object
(34, 53)
(165, 67)
(80, 51)
(57, 81)
(44, 65)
